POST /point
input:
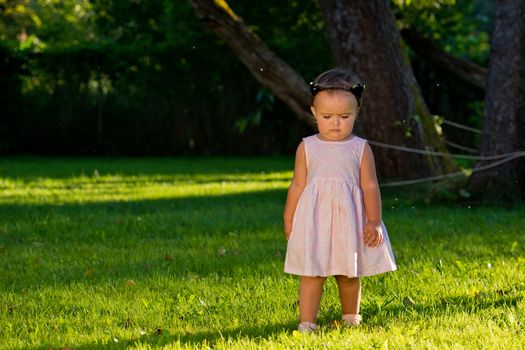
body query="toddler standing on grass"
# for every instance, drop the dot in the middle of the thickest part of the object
(332, 217)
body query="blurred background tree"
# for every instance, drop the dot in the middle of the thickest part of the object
(504, 118)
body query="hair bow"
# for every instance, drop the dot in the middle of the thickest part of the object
(356, 89)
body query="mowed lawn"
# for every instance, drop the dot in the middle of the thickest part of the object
(189, 253)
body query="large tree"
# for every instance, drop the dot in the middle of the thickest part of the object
(395, 111)
(504, 118)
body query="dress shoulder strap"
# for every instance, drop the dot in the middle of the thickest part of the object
(309, 142)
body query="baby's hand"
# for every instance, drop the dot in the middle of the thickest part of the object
(373, 234)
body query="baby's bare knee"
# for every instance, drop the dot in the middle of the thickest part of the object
(345, 280)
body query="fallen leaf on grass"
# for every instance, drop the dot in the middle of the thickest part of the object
(130, 283)
(336, 324)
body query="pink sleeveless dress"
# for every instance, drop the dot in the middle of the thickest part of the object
(328, 223)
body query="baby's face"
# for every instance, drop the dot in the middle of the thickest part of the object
(335, 112)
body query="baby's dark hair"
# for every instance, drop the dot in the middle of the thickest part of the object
(338, 79)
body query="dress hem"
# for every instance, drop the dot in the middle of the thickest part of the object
(364, 274)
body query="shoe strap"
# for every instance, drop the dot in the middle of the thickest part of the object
(306, 325)
(352, 318)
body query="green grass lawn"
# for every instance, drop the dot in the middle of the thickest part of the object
(187, 253)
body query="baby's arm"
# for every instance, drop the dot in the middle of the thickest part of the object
(296, 188)
(372, 234)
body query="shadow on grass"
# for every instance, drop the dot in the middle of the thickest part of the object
(189, 236)
(111, 213)
(210, 338)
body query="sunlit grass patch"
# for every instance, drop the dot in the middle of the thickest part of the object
(125, 188)
(100, 186)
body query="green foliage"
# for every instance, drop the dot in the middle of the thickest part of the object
(187, 253)
(265, 101)
(49, 23)
(459, 27)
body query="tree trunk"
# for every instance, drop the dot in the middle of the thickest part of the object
(271, 71)
(364, 39)
(504, 118)
(463, 69)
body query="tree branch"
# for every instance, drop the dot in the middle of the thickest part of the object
(271, 71)
(463, 69)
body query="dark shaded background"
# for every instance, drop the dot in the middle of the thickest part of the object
(145, 78)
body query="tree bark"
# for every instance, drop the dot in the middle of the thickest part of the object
(365, 40)
(463, 69)
(271, 71)
(504, 118)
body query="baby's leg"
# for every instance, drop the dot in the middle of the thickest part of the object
(310, 292)
(349, 293)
